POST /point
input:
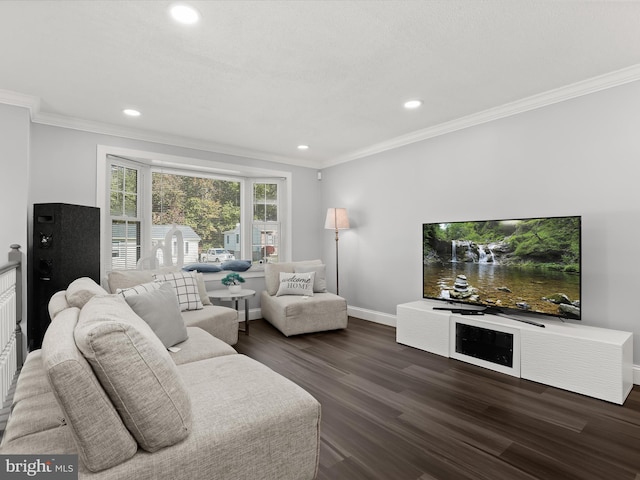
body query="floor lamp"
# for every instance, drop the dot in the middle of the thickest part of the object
(337, 219)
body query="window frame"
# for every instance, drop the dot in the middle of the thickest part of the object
(146, 162)
(278, 223)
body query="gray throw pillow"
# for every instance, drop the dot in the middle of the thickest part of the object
(160, 309)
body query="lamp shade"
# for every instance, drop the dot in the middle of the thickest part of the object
(337, 219)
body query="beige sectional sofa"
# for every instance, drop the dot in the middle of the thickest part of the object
(104, 387)
(294, 314)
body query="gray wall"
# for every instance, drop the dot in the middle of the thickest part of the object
(64, 165)
(14, 189)
(14, 179)
(579, 157)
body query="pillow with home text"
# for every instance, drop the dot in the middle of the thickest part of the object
(296, 284)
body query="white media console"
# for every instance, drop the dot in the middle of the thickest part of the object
(592, 361)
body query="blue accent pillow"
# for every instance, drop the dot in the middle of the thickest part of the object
(202, 267)
(237, 265)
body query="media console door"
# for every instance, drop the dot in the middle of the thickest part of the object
(592, 361)
(596, 362)
(419, 326)
(487, 338)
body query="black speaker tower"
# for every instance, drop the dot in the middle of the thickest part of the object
(66, 246)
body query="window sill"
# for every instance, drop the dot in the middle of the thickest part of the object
(213, 276)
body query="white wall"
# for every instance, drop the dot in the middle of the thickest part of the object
(579, 157)
(14, 177)
(64, 170)
(14, 188)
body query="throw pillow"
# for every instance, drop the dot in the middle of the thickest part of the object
(103, 440)
(296, 284)
(185, 285)
(202, 289)
(320, 281)
(237, 265)
(136, 371)
(202, 267)
(160, 309)
(138, 289)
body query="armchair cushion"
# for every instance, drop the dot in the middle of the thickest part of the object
(272, 273)
(319, 280)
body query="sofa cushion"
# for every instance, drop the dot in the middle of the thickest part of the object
(31, 415)
(272, 273)
(81, 290)
(185, 285)
(160, 309)
(135, 370)
(296, 284)
(120, 279)
(199, 346)
(123, 279)
(319, 280)
(103, 440)
(32, 381)
(219, 321)
(138, 289)
(57, 303)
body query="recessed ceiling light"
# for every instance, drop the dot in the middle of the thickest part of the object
(184, 14)
(303, 147)
(411, 104)
(131, 112)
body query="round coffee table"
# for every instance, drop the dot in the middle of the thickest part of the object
(225, 295)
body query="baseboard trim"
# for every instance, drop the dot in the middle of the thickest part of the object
(390, 320)
(372, 316)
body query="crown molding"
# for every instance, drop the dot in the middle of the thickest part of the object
(20, 100)
(584, 87)
(161, 138)
(32, 103)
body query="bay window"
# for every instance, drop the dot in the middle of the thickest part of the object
(143, 201)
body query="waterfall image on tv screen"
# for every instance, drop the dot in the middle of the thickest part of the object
(524, 265)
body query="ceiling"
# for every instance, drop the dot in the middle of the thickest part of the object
(258, 78)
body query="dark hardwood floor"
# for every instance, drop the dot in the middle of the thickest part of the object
(395, 412)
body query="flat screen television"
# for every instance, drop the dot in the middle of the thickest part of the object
(511, 266)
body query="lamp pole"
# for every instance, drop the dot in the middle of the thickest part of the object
(337, 275)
